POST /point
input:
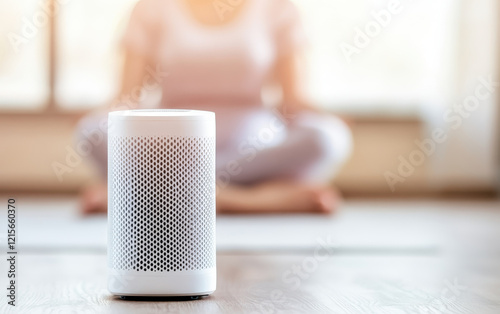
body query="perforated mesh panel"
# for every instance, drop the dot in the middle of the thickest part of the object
(162, 203)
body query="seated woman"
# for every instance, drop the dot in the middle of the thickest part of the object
(218, 56)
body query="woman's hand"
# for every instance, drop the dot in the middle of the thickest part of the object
(134, 72)
(290, 75)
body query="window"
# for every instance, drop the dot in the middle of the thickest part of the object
(71, 64)
(89, 59)
(24, 47)
(379, 57)
(368, 57)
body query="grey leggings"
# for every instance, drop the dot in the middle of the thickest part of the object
(257, 145)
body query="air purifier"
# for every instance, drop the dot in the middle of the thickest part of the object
(161, 203)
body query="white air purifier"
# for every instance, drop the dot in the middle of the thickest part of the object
(161, 203)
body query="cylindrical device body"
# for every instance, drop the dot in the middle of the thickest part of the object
(161, 203)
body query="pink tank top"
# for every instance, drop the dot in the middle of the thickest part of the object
(212, 66)
(218, 68)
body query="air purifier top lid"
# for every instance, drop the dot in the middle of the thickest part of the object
(162, 114)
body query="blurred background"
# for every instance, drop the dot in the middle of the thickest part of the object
(414, 79)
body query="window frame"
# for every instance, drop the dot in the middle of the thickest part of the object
(52, 108)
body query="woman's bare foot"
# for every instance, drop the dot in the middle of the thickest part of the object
(95, 199)
(271, 197)
(275, 197)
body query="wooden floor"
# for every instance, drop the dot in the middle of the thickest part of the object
(380, 257)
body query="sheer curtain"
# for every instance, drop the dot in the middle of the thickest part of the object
(425, 59)
(379, 57)
(468, 115)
